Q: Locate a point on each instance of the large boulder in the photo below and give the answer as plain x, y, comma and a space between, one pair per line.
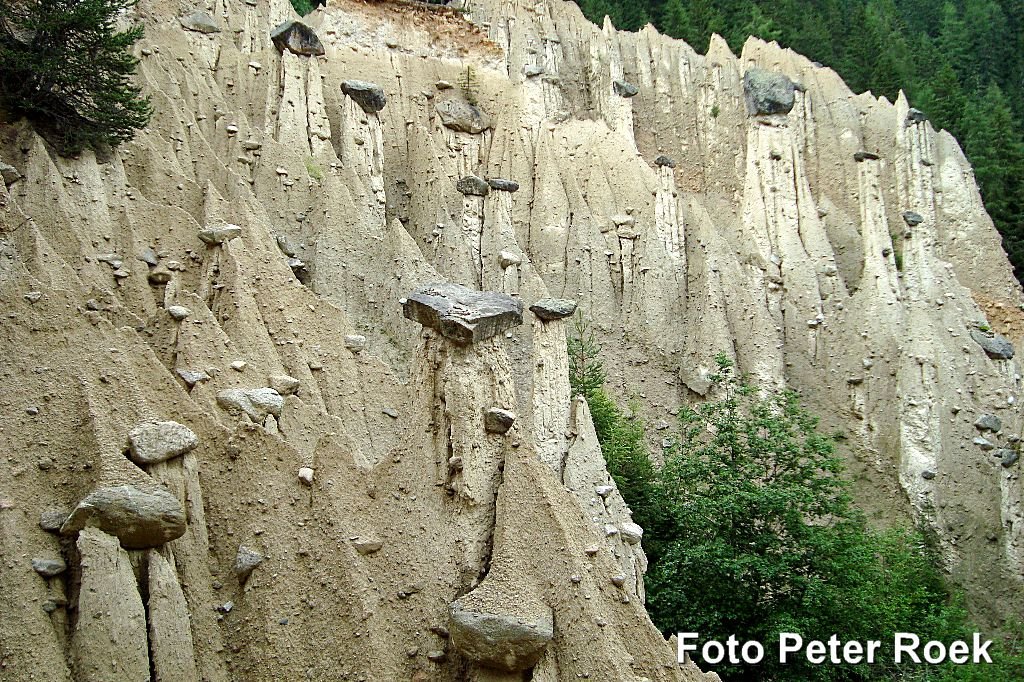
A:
369, 96
504, 641
256, 403
154, 442
549, 309
768, 92
297, 38
461, 314
200, 22
461, 116
995, 346
138, 518
625, 89
473, 185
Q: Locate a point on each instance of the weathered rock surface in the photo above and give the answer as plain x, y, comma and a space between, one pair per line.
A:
215, 236
109, 640
246, 561
297, 38
462, 116
48, 568
369, 96
138, 518
996, 346
463, 315
283, 384
768, 92
498, 420
503, 185
473, 185
200, 22
504, 641
255, 403
625, 89
9, 174
159, 441
549, 309
988, 422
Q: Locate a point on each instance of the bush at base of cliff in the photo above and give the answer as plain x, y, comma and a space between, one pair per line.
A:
66, 67
750, 531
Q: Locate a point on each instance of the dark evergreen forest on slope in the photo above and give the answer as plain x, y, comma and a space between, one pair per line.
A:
961, 62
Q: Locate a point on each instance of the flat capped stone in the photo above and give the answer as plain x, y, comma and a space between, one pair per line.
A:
215, 236
461, 116
369, 96
472, 185
461, 314
912, 219
988, 422
916, 116
549, 309
138, 518
503, 185
498, 420
159, 441
256, 403
665, 161
297, 38
768, 92
48, 568
200, 22
625, 89
865, 156
507, 642
9, 174
996, 346
246, 561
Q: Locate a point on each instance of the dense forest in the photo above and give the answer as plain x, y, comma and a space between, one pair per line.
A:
961, 62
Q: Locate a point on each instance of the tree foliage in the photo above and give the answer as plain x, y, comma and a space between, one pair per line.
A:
66, 67
750, 531
946, 57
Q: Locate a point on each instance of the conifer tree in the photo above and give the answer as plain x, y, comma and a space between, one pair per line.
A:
65, 66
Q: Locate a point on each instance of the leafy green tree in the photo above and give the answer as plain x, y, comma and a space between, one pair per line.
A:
66, 67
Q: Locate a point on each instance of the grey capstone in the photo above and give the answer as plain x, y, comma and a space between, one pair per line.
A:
461, 314
916, 116
865, 156
461, 116
297, 38
214, 236
995, 346
912, 219
665, 161
256, 403
549, 309
138, 518
246, 560
369, 96
625, 89
49, 568
200, 22
988, 422
1009, 457
9, 174
503, 185
768, 92
472, 185
154, 442
508, 643
498, 420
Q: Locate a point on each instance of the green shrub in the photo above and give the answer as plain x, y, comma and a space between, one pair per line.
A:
750, 531
302, 7
65, 67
